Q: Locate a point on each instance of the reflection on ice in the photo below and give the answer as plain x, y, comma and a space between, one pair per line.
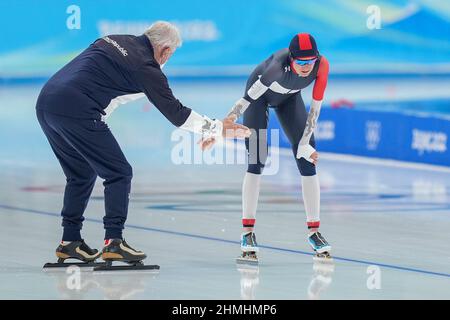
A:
116, 285
321, 279
249, 280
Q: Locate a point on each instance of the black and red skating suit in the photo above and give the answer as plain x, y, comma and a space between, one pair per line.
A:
275, 83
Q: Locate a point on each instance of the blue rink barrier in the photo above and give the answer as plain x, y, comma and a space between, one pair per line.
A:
386, 135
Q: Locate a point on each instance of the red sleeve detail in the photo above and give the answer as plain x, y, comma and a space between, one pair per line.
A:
321, 80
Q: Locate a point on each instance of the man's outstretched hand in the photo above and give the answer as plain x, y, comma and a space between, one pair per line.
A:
230, 130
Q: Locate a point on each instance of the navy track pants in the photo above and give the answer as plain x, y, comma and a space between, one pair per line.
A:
86, 149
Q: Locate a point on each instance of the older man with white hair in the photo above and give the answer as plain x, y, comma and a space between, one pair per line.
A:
71, 110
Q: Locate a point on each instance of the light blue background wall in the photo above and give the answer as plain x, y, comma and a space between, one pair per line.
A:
228, 37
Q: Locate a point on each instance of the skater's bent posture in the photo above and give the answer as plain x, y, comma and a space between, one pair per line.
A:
71, 110
277, 82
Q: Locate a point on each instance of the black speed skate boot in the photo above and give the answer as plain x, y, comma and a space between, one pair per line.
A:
119, 250
77, 250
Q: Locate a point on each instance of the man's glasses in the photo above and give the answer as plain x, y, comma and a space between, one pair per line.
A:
305, 62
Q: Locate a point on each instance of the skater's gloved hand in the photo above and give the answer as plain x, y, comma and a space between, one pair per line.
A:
231, 117
230, 130
307, 152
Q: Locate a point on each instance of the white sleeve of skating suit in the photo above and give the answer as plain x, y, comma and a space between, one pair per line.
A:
208, 128
305, 150
250, 195
311, 197
257, 90
239, 108
254, 93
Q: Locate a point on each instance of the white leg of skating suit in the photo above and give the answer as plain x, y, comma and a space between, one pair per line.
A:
311, 197
250, 195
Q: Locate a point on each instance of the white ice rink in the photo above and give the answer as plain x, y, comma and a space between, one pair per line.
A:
389, 226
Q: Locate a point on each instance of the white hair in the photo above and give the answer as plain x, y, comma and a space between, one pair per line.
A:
164, 34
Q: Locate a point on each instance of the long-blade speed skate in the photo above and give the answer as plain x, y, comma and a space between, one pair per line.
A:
117, 250
321, 247
249, 258
323, 257
249, 249
75, 250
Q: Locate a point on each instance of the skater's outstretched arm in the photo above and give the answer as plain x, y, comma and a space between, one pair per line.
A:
265, 82
256, 91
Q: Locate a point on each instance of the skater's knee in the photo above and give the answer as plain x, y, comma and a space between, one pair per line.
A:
256, 162
255, 168
123, 173
82, 179
306, 168
127, 172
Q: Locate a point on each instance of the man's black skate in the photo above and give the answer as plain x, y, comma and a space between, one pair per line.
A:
77, 250
119, 250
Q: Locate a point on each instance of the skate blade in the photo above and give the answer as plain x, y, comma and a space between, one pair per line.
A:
136, 267
78, 264
247, 261
323, 258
